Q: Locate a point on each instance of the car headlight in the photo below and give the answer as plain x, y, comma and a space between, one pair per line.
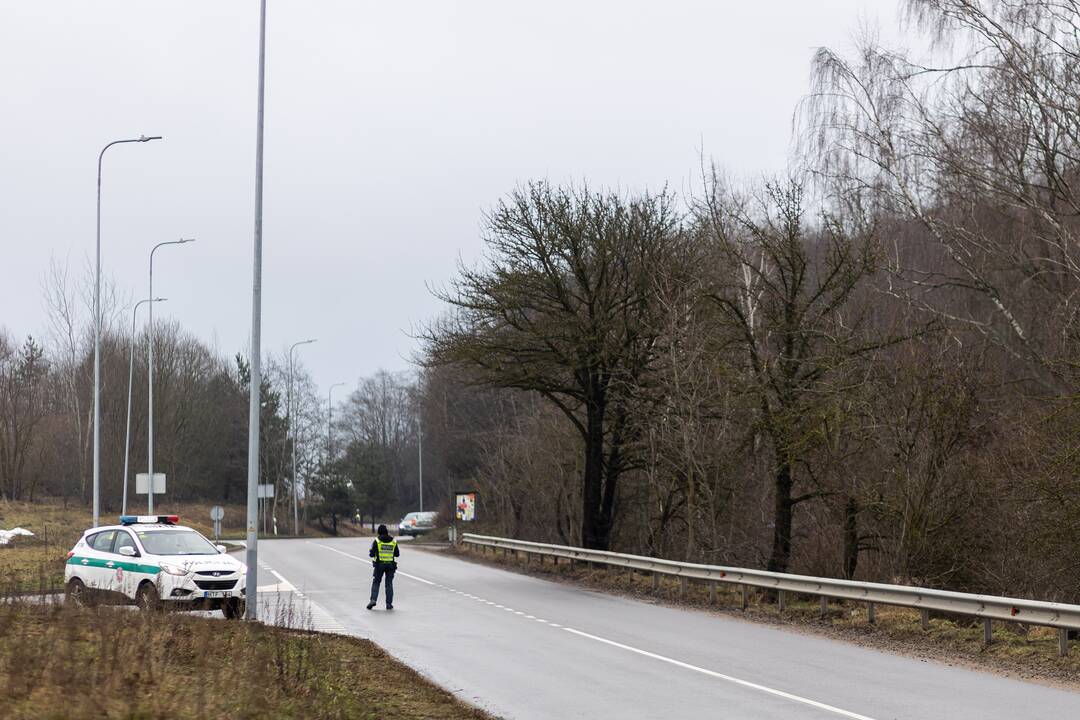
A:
174, 569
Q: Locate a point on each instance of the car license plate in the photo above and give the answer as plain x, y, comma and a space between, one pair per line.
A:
214, 593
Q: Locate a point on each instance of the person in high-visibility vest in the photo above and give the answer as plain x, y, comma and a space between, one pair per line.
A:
384, 551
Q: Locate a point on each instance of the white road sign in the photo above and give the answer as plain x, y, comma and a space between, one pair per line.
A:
142, 482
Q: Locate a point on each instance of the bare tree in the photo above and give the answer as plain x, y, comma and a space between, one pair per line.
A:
782, 288
23, 374
978, 145
565, 307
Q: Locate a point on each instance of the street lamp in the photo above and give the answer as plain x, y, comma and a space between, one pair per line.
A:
150, 380
420, 438
97, 330
255, 379
295, 495
131, 372
330, 424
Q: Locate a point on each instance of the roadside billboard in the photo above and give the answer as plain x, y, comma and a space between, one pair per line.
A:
465, 505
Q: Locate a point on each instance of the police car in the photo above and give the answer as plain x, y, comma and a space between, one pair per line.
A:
154, 562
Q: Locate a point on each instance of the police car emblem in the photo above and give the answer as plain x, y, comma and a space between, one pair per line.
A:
119, 574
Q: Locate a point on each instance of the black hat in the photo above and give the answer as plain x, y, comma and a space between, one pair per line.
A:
383, 530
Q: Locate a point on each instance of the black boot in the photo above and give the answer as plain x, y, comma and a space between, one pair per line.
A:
370, 605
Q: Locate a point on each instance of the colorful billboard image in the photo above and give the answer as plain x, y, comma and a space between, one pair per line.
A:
465, 506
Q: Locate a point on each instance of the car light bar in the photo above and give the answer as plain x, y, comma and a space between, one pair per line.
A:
165, 519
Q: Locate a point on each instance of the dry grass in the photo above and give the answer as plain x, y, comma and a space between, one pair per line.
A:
37, 563
1022, 651
81, 663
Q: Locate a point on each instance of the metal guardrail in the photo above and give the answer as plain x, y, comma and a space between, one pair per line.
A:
1062, 616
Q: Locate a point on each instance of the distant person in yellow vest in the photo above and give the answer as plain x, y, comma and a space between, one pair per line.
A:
384, 550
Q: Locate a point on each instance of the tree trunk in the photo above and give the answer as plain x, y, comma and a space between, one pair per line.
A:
851, 537
783, 510
594, 530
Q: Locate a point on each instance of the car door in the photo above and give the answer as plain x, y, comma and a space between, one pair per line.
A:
126, 572
96, 555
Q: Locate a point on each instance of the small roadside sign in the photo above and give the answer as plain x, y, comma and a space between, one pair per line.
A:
266, 491
216, 514
142, 482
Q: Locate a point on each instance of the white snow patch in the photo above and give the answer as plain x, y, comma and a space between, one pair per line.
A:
7, 535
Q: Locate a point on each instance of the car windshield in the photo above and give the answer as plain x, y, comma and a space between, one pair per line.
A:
176, 542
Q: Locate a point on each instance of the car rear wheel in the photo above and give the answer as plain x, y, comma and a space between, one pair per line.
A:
76, 593
147, 598
232, 609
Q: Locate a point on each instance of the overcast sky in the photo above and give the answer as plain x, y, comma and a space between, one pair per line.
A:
390, 128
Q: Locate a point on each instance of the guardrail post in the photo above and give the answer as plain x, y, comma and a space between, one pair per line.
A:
781, 600
988, 633
655, 581
745, 597
824, 605
924, 619
684, 585
1063, 642
871, 613
712, 592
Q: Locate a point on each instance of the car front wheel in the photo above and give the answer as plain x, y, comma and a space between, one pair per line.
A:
233, 609
147, 598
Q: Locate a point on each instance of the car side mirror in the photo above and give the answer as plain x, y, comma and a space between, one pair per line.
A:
221, 548
127, 551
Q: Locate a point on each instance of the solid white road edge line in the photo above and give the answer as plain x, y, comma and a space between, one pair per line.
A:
721, 676
327, 621
357, 557
285, 585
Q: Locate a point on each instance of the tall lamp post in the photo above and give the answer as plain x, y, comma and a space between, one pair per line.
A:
292, 429
150, 380
420, 455
255, 389
97, 330
251, 578
131, 374
330, 424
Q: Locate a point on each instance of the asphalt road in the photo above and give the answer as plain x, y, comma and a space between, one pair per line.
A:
524, 648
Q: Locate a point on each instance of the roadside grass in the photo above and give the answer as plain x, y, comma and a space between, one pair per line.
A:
75, 663
36, 563
1025, 651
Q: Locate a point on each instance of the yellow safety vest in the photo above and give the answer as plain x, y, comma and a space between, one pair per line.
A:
386, 551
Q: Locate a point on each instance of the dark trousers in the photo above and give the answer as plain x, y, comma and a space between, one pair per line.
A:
382, 569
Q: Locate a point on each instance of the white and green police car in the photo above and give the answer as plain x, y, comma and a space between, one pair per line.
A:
154, 562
